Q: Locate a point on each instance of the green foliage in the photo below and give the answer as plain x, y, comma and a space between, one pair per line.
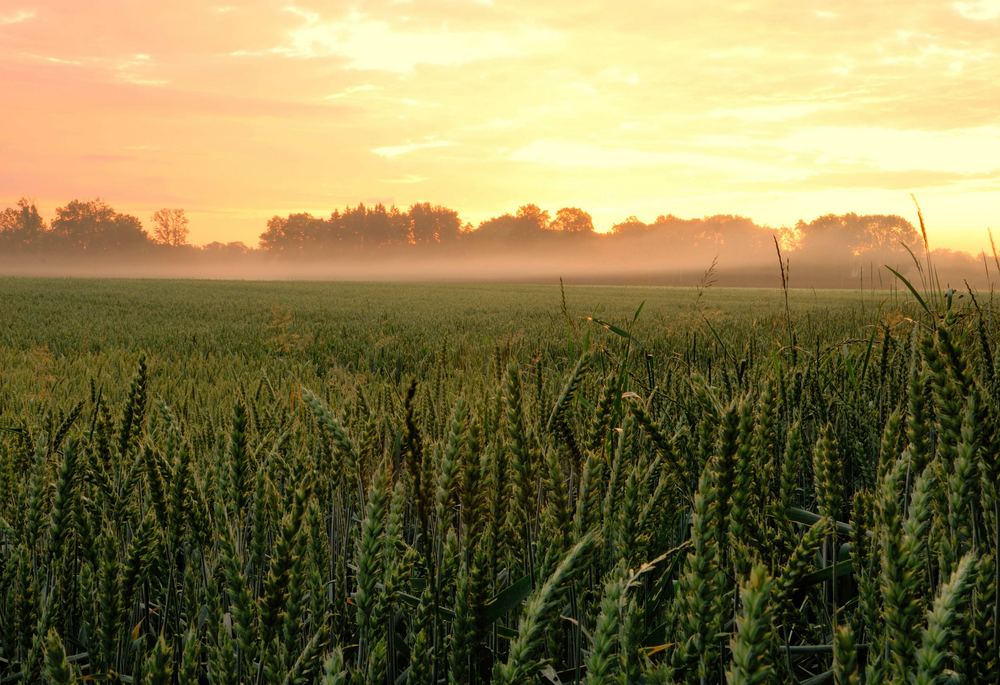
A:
436, 485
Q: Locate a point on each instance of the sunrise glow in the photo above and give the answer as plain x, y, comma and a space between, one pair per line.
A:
240, 111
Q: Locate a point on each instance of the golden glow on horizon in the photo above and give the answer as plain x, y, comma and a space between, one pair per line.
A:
241, 110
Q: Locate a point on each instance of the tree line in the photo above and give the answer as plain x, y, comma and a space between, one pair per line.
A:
834, 242
831, 237
88, 226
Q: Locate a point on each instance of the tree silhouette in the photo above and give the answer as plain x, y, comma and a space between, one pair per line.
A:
170, 227
834, 237
530, 223
95, 226
235, 248
21, 226
573, 220
630, 226
292, 233
834, 249
533, 214
362, 228
432, 224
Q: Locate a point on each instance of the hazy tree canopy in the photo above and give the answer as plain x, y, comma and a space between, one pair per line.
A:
700, 239
432, 224
362, 227
631, 226
534, 215
529, 224
232, 248
293, 233
21, 226
573, 220
95, 226
839, 236
506, 228
831, 249
380, 227
170, 227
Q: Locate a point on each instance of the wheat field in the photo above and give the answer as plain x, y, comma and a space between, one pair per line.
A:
231, 483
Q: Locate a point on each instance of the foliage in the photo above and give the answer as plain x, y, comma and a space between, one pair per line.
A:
170, 227
455, 485
96, 226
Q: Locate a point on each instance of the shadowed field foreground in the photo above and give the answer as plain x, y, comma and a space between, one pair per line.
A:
343, 483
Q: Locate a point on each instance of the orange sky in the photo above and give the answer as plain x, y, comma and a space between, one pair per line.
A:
772, 109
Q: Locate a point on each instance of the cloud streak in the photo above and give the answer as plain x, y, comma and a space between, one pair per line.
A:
393, 151
978, 10
16, 17
373, 44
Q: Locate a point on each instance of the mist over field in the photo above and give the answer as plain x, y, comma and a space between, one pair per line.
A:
432, 243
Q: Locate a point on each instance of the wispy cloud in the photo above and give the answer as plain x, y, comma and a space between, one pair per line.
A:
955, 151
570, 154
368, 43
52, 59
354, 90
978, 10
135, 70
620, 75
765, 113
16, 17
409, 179
375, 97
393, 151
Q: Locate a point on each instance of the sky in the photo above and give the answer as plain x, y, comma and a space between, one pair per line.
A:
770, 109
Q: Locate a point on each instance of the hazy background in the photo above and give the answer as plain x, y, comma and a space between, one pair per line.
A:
433, 243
